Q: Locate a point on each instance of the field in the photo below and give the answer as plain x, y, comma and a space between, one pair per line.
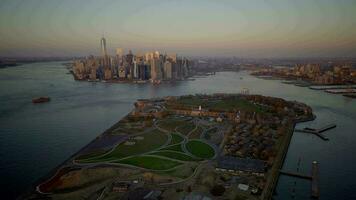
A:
176, 147
200, 149
196, 133
221, 105
150, 162
176, 138
152, 140
174, 155
171, 124
186, 128
153, 151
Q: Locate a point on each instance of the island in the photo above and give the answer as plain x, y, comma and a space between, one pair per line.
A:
219, 146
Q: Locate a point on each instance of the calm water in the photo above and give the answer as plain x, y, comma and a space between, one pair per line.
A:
36, 138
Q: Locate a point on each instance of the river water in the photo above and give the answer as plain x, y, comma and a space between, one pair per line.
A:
36, 138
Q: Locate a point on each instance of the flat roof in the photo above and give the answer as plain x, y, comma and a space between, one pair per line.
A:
241, 164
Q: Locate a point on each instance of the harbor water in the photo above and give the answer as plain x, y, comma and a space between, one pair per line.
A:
35, 138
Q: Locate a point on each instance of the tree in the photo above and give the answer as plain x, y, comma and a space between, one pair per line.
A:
217, 190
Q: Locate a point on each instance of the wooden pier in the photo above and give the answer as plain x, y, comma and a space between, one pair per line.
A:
317, 132
315, 180
294, 174
325, 128
314, 177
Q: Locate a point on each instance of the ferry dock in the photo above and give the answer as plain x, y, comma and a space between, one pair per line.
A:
314, 178
317, 132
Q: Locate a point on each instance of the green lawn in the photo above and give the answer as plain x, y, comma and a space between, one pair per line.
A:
186, 128
91, 154
170, 124
152, 140
183, 171
174, 155
200, 149
196, 134
176, 138
191, 101
176, 147
236, 103
224, 105
150, 162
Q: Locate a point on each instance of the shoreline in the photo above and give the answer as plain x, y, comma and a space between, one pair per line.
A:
339, 89
33, 187
282, 154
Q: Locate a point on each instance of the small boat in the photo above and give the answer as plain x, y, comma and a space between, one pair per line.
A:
41, 100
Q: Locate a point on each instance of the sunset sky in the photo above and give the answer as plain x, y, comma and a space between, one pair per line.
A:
243, 28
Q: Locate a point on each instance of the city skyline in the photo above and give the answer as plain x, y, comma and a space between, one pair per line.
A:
199, 28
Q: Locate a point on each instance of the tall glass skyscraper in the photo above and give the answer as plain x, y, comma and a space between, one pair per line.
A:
103, 47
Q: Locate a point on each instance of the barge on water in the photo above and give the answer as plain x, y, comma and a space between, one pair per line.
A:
41, 100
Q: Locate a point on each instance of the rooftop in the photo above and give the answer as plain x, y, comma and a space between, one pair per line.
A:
241, 164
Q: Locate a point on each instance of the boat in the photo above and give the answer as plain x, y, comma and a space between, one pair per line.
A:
41, 100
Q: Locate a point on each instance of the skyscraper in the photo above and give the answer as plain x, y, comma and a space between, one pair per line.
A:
167, 70
119, 52
103, 47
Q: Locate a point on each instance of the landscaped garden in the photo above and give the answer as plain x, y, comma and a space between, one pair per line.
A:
148, 142
153, 151
200, 149
174, 155
150, 162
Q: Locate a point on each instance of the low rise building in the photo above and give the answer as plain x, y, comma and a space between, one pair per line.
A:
241, 165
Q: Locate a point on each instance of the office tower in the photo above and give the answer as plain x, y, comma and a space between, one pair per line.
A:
160, 70
153, 63
103, 47
172, 57
106, 60
130, 67
107, 74
122, 72
185, 69
167, 70
156, 54
119, 52
129, 58
135, 69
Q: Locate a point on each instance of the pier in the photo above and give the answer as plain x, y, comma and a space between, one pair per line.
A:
314, 177
317, 132
331, 87
295, 174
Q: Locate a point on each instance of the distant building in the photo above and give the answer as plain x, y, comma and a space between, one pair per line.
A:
138, 68
104, 52
119, 52
167, 70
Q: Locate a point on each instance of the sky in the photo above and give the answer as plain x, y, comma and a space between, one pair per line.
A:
241, 28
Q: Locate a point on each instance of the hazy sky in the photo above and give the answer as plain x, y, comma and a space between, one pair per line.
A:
243, 28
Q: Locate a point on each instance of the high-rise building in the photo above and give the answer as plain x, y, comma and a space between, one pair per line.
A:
167, 70
119, 52
172, 57
106, 60
156, 54
153, 63
104, 52
135, 69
